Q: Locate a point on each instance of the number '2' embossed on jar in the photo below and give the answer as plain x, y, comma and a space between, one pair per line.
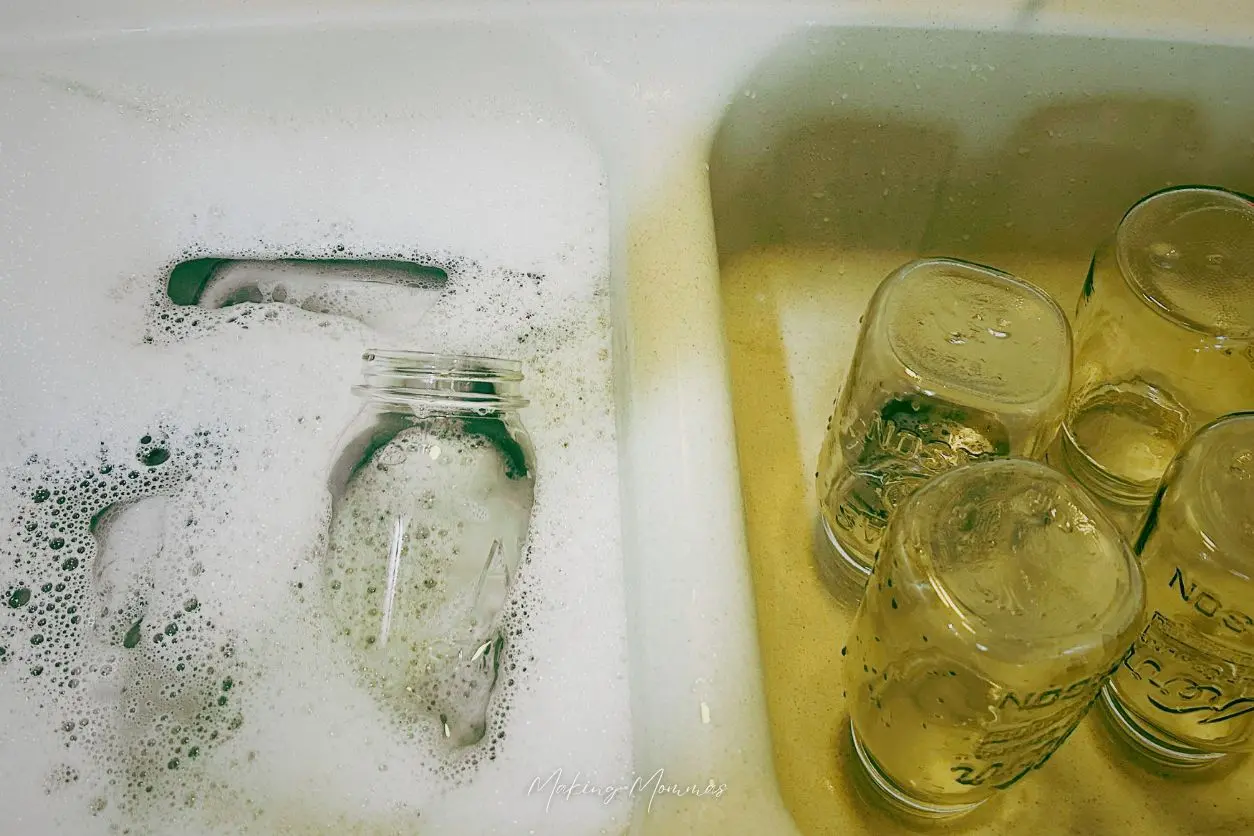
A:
431, 492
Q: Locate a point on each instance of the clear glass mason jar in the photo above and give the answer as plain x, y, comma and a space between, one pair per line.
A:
1164, 339
955, 362
1184, 696
1001, 600
431, 492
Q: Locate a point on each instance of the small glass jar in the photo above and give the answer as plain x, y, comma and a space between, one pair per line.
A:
431, 493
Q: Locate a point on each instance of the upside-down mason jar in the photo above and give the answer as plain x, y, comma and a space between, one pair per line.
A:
1001, 600
431, 493
1164, 339
1184, 696
956, 362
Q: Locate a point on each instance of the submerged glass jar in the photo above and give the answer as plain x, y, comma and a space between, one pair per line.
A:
431, 493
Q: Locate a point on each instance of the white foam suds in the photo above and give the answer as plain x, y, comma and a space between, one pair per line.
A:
187, 679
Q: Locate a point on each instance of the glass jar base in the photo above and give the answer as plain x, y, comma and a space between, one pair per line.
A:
896, 797
861, 567
1150, 744
1099, 480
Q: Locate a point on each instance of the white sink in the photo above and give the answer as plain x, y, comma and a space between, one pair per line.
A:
610, 145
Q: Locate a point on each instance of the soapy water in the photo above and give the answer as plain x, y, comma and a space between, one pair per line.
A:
95, 356
166, 649
425, 536
106, 628
168, 665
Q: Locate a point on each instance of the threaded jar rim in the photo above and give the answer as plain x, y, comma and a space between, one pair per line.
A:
441, 381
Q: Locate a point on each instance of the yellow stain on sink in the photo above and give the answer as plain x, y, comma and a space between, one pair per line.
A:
791, 319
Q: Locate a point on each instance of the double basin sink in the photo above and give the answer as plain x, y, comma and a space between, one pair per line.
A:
753, 170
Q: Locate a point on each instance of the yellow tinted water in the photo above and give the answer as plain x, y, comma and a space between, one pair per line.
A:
791, 319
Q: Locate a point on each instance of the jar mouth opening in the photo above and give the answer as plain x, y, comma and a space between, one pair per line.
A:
438, 381
468, 366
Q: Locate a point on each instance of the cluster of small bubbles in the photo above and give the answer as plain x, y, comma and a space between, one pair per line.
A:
73, 634
430, 689
511, 653
61, 776
139, 677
